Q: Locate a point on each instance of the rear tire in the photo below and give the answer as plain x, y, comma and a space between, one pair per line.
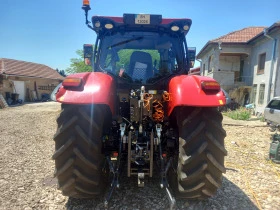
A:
201, 153
78, 157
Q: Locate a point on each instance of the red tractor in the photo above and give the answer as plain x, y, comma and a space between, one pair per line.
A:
139, 111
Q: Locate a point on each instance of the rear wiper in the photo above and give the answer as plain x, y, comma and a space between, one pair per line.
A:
126, 41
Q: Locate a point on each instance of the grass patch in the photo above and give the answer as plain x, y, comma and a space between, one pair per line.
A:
239, 114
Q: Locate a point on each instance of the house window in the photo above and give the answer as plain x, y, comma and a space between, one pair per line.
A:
210, 64
261, 94
261, 63
254, 94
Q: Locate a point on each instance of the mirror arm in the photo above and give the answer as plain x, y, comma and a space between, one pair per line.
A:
86, 15
86, 8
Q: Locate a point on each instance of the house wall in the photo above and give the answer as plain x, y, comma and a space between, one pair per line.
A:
230, 63
277, 70
277, 82
233, 63
235, 48
42, 86
247, 76
224, 66
249, 53
225, 78
214, 65
264, 46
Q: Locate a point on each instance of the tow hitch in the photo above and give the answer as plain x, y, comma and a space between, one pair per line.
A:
133, 156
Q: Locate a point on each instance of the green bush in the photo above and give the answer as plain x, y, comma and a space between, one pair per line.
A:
261, 118
239, 114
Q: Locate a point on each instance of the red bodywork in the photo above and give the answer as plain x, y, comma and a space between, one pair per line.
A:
97, 88
100, 88
186, 90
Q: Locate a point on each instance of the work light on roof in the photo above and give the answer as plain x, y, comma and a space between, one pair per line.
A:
186, 27
175, 28
97, 24
109, 26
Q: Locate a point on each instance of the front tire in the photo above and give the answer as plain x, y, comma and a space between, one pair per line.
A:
78, 157
201, 153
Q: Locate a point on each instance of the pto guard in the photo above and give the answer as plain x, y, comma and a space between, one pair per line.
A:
96, 88
186, 90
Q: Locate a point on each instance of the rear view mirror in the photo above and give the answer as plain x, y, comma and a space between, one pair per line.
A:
191, 54
88, 54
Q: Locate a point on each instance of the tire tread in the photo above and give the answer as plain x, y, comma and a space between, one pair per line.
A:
78, 157
201, 153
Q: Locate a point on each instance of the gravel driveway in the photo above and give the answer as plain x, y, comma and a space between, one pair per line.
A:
26, 168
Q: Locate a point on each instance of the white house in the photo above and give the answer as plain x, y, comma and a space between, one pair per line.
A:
246, 63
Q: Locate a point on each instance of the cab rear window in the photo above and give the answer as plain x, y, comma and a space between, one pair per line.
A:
274, 104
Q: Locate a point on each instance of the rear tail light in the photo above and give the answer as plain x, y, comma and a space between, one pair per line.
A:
72, 82
210, 85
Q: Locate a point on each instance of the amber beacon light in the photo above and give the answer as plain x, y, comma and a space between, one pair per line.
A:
86, 5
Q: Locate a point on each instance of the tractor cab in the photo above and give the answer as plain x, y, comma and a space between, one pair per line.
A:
140, 49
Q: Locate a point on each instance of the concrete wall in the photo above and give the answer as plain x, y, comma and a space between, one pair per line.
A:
237, 49
221, 70
225, 78
214, 65
230, 63
277, 83
247, 76
222, 65
276, 79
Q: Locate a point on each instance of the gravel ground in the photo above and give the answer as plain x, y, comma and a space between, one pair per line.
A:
26, 168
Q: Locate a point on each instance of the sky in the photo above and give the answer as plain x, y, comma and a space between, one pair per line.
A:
51, 31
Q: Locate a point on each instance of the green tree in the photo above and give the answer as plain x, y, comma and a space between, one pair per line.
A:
77, 64
124, 56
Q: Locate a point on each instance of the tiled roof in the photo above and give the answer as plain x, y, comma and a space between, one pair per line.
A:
240, 36
28, 69
268, 30
243, 36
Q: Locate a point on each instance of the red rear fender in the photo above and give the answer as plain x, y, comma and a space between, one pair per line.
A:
186, 90
95, 88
